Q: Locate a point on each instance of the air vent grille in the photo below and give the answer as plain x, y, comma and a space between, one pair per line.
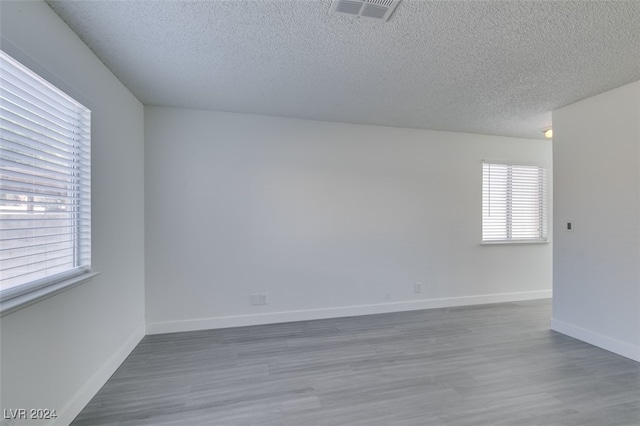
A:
386, 3
349, 6
373, 11
379, 10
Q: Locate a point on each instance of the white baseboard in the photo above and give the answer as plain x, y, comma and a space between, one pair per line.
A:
345, 311
619, 347
88, 391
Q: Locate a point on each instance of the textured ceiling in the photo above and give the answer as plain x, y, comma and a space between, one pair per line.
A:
489, 67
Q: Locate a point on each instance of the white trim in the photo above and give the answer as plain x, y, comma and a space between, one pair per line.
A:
610, 344
345, 311
19, 290
18, 302
507, 242
513, 163
93, 385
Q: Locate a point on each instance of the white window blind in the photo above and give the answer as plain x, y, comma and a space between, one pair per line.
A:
45, 198
514, 203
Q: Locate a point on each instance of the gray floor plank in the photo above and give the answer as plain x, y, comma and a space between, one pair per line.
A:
493, 364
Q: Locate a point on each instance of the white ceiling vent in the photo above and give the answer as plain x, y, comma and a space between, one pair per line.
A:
379, 10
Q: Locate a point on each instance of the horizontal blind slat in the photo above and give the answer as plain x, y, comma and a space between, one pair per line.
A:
38, 244
48, 258
28, 81
8, 123
15, 161
12, 133
16, 96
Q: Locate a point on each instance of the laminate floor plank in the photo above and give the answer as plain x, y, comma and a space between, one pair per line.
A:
494, 365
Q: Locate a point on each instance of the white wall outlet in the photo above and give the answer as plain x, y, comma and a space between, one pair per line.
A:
255, 299
264, 298
569, 227
417, 287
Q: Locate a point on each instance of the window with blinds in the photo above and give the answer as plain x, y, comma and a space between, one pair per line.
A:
514, 203
45, 198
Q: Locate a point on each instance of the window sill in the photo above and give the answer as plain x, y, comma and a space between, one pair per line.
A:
16, 303
516, 242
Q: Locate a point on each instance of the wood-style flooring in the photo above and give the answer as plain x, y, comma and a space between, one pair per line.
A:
481, 365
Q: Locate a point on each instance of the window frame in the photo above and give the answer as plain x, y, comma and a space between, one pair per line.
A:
25, 294
543, 197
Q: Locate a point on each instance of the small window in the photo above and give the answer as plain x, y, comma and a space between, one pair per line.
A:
45, 197
514, 203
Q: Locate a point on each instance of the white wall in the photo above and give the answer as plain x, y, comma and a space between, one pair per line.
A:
57, 353
329, 219
596, 280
